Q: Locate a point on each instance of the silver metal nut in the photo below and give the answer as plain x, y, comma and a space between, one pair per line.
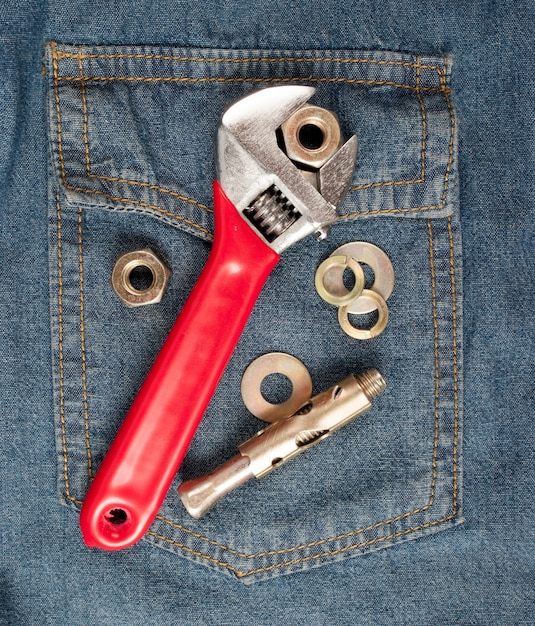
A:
122, 274
311, 135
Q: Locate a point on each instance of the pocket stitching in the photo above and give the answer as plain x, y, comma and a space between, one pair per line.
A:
343, 549
238, 572
442, 204
423, 147
82, 347
61, 54
90, 174
59, 260
98, 192
417, 88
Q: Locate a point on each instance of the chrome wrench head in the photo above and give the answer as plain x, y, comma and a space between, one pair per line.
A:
254, 171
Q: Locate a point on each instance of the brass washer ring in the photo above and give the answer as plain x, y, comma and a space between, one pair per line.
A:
339, 295
275, 363
377, 259
365, 333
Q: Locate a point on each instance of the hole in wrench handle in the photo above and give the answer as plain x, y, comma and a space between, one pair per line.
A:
148, 449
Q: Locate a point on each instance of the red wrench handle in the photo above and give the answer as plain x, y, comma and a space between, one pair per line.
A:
146, 453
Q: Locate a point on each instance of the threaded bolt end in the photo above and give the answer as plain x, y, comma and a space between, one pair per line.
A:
372, 383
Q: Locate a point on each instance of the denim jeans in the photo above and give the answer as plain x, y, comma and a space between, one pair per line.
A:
420, 510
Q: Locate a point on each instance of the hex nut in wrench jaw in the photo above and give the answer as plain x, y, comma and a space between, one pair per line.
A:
311, 136
250, 161
122, 273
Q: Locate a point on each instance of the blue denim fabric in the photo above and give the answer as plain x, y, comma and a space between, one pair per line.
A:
111, 150
122, 132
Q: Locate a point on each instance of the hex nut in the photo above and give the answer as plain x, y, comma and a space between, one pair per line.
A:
122, 272
311, 136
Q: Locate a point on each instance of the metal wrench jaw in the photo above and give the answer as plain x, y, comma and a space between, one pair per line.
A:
258, 177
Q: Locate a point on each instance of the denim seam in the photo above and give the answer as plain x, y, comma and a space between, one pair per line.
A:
250, 79
85, 118
436, 345
102, 193
455, 361
417, 88
59, 260
421, 179
446, 177
82, 346
241, 573
115, 179
166, 57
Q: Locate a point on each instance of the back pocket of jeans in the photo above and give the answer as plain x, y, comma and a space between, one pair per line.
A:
132, 132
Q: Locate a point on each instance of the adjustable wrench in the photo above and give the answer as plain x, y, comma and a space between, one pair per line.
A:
262, 204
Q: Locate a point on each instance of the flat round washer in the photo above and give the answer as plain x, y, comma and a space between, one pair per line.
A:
365, 333
363, 252
275, 363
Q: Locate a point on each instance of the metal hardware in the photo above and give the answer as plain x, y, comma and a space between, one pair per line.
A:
369, 297
275, 363
272, 213
336, 294
311, 136
149, 447
121, 278
284, 439
330, 286
368, 253
250, 162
